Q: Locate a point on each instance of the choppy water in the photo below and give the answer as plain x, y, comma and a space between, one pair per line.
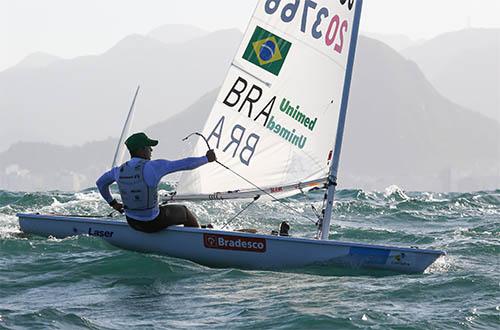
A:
85, 283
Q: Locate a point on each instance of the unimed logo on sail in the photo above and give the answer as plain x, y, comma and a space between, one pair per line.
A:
227, 242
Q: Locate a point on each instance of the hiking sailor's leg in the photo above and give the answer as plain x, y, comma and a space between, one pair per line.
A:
175, 214
191, 220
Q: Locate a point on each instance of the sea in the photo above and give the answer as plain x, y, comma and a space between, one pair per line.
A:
85, 283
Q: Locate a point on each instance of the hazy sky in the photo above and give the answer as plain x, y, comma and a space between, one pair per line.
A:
69, 28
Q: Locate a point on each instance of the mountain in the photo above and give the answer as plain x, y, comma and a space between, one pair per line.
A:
36, 60
399, 130
170, 132
464, 66
29, 166
397, 42
176, 33
34, 166
83, 99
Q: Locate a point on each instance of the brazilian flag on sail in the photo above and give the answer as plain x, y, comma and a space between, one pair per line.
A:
267, 50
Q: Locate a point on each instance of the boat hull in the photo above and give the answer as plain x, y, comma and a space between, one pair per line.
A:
234, 249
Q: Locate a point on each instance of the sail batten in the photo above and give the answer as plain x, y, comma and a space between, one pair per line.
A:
268, 84
275, 116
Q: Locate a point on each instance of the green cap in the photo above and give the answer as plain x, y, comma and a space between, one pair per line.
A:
139, 140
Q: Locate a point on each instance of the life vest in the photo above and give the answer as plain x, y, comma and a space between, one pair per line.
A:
136, 194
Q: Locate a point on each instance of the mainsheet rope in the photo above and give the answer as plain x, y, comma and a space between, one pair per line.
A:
253, 184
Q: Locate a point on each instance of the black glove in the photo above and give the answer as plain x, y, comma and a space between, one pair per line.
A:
211, 156
117, 206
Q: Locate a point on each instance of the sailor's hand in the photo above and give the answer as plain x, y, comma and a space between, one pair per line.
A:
211, 156
116, 205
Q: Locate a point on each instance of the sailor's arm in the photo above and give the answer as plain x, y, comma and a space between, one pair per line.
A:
103, 184
163, 167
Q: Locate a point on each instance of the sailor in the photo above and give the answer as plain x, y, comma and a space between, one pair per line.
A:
138, 185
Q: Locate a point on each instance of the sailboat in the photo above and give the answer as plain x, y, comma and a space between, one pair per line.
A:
279, 111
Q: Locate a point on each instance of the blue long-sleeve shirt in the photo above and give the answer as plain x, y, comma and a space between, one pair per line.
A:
154, 170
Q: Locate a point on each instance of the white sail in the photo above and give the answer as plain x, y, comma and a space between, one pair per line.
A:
275, 118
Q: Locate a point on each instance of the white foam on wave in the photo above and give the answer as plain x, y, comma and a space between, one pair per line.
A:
442, 265
88, 201
394, 190
88, 196
366, 194
433, 197
8, 226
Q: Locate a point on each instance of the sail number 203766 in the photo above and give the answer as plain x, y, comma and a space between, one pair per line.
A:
337, 27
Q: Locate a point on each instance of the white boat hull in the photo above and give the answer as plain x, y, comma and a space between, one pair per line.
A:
234, 249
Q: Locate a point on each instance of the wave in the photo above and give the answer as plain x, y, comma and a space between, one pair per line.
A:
83, 282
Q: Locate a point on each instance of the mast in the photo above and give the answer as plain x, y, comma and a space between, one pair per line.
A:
119, 150
332, 178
